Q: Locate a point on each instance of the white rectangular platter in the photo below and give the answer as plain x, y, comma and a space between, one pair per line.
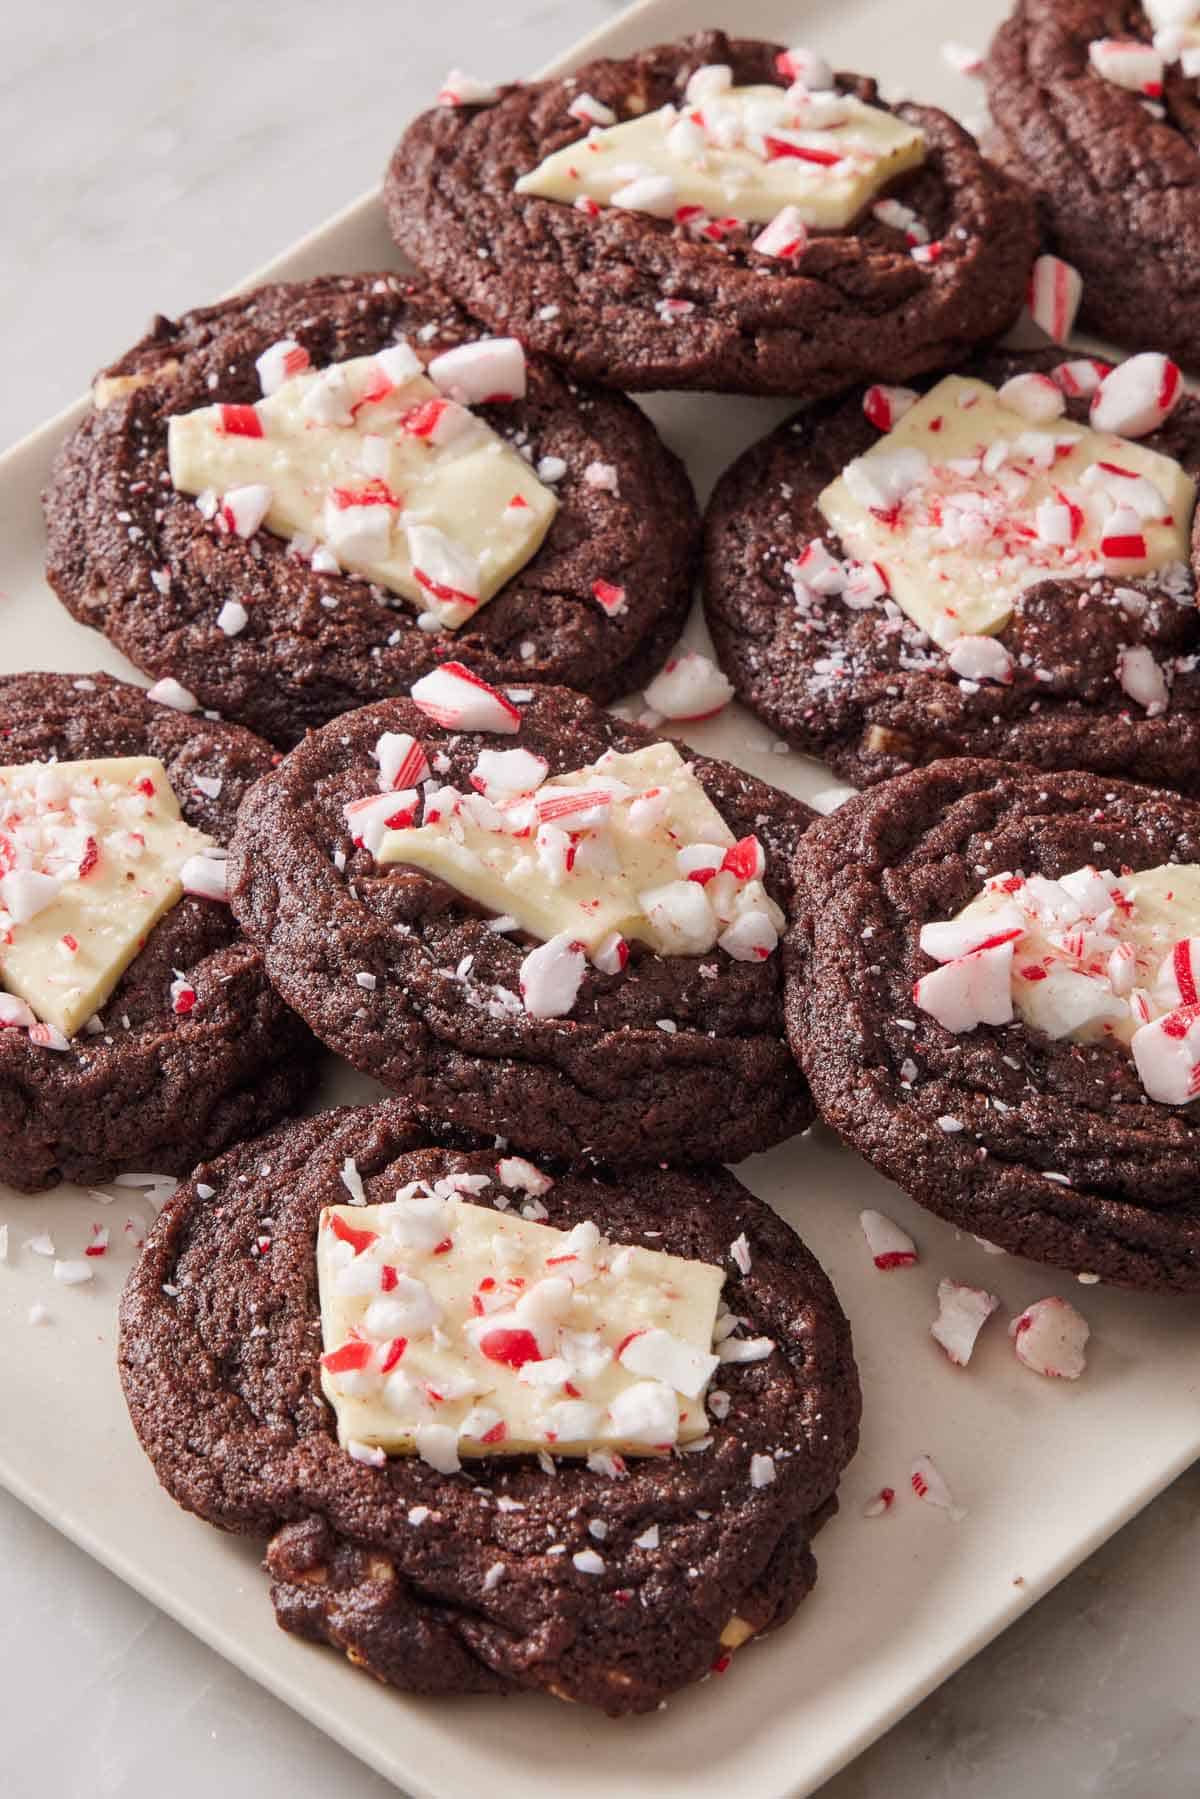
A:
1045, 1471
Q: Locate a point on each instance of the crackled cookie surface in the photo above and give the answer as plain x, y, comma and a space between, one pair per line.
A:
568, 1575
997, 562
276, 504
715, 213
1096, 105
140, 1031
493, 905
991, 989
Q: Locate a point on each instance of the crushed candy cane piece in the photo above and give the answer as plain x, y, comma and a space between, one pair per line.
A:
458, 700
928, 1484
962, 1313
1137, 396
890, 1247
1055, 290
690, 687
1050, 1337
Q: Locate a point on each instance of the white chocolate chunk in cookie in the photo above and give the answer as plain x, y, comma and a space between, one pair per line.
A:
400, 482
454, 1331
967, 501
743, 153
1091, 957
628, 847
93, 855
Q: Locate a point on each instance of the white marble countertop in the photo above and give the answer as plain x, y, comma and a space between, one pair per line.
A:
154, 154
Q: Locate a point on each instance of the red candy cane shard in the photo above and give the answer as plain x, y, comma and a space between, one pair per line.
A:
458, 700
239, 421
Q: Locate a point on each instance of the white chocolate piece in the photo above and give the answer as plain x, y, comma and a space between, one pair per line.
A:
347, 470
586, 873
961, 505
99, 847
516, 1337
750, 152
1087, 966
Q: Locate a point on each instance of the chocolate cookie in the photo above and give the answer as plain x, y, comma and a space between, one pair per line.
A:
667, 1058
1111, 158
690, 301
144, 564
1049, 1147
482, 1580
844, 675
194, 1050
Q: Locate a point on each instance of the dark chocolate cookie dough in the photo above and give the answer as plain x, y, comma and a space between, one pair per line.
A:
1117, 186
872, 696
155, 1089
139, 562
426, 1019
1049, 1149
219, 1351
640, 302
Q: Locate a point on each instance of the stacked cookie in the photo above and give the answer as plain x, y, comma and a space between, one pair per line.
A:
524, 1391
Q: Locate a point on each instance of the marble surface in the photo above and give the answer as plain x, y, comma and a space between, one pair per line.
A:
154, 155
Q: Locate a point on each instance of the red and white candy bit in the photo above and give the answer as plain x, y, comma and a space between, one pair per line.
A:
1143, 680
443, 569
962, 59
1138, 395
883, 1502
523, 1176
962, 1313
98, 1242
750, 938
690, 687
1177, 982
928, 1484
488, 372
886, 406
1050, 1337
503, 774
369, 819
1128, 63
1166, 1053
591, 110
279, 362
609, 597
611, 954
183, 996
655, 195
1080, 379
972, 990
48, 1036
243, 509
746, 859
458, 700
980, 659
402, 761
1055, 290
205, 877
170, 692
890, 1247
459, 89
24, 892
551, 976
805, 67
785, 238
239, 421
14, 1013
1036, 397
